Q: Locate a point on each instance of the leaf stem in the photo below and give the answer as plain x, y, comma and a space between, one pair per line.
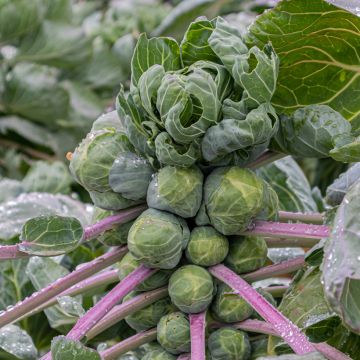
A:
197, 332
8, 252
102, 279
285, 267
312, 218
265, 158
119, 312
128, 344
60, 285
291, 231
287, 330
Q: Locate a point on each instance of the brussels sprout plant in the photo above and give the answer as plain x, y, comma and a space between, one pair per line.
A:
189, 193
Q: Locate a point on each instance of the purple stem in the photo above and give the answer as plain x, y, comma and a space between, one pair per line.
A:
277, 229
110, 221
97, 312
60, 285
262, 327
197, 332
128, 344
312, 218
100, 280
8, 252
119, 312
265, 158
282, 268
287, 330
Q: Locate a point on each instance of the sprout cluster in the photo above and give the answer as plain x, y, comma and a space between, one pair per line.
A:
178, 142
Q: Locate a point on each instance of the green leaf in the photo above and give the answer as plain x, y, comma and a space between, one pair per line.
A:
293, 189
14, 213
59, 10
195, 46
50, 235
15, 341
19, 17
48, 177
341, 270
232, 135
130, 176
66, 349
313, 131
43, 271
338, 189
10, 189
347, 153
318, 46
148, 52
33, 91
56, 44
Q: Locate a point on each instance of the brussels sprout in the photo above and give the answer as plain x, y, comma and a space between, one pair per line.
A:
157, 239
191, 288
158, 354
93, 158
233, 198
128, 264
149, 316
110, 200
229, 344
177, 190
110, 121
268, 297
173, 333
246, 253
115, 236
130, 176
206, 246
271, 204
230, 307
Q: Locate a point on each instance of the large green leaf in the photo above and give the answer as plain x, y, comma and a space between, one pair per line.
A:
293, 189
66, 349
55, 44
341, 270
14, 213
319, 48
51, 235
42, 272
48, 177
18, 17
16, 343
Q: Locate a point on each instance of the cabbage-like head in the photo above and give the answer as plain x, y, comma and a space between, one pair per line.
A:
149, 316
158, 354
206, 246
128, 264
157, 239
191, 289
246, 253
173, 333
177, 190
233, 198
93, 158
230, 344
110, 200
229, 307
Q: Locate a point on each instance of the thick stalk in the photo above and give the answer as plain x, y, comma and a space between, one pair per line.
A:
265, 158
9, 252
119, 312
197, 332
286, 230
100, 280
262, 327
97, 312
311, 218
285, 267
60, 285
273, 242
130, 343
287, 330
